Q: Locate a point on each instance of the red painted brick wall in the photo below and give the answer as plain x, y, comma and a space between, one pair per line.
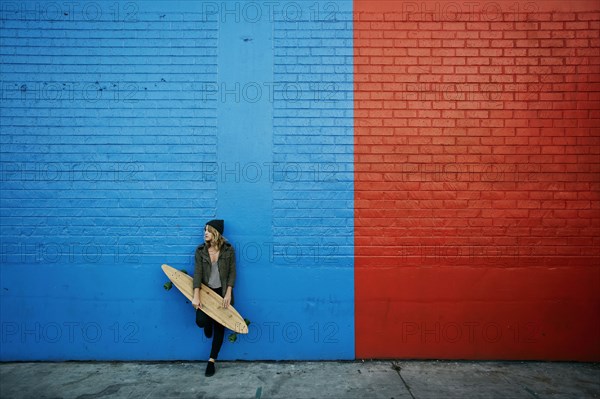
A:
477, 185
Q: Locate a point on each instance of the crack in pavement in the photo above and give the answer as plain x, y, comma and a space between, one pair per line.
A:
396, 367
81, 379
525, 387
109, 390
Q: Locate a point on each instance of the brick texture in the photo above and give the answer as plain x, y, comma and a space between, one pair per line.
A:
477, 192
126, 126
313, 141
106, 131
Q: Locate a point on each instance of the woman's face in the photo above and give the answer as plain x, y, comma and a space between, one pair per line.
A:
208, 236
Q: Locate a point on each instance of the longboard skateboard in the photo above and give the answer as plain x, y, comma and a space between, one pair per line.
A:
212, 303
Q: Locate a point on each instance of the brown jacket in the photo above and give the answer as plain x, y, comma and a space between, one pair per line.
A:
226, 267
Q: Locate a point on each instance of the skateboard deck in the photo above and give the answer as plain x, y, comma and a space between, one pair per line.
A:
212, 303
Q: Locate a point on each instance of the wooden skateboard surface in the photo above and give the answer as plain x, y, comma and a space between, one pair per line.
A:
212, 303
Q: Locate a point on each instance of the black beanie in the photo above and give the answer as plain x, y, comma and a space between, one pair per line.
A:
218, 224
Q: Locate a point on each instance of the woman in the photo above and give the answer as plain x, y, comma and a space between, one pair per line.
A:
215, 267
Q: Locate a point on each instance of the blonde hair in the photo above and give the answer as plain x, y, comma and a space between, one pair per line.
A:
218, 239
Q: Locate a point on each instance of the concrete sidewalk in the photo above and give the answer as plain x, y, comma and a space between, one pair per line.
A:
295, 380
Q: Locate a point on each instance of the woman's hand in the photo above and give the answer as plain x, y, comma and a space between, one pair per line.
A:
227, 299
196, 303
196, 299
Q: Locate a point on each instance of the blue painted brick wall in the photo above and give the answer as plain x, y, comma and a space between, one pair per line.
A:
103, 149
313, 203
114, 123
313, 138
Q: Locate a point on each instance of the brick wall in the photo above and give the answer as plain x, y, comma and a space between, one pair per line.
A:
477, 179
105, 134
312, 190
101, 121
313, 138
400, 179
126, 126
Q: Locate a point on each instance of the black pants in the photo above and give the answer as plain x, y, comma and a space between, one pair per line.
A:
203, 320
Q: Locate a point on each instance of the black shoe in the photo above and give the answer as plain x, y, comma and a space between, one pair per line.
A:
210, 369
208, 330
